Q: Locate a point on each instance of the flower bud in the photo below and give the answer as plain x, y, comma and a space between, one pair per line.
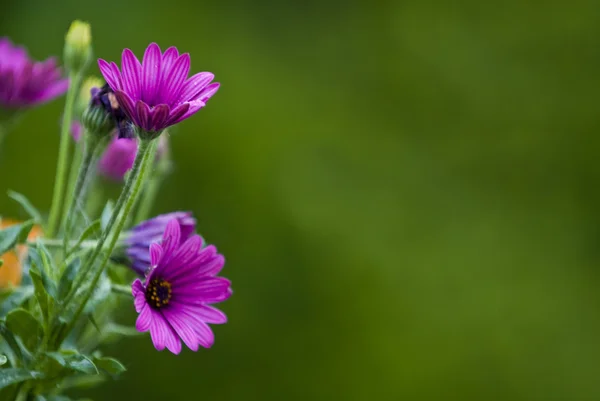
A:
78, 47
85, 94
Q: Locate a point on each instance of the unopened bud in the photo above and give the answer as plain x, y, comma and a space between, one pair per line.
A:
85, 94
78, 46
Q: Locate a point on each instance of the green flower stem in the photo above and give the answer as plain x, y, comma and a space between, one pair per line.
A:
120, 214
121, 289
151, 191
63, 153
77, 194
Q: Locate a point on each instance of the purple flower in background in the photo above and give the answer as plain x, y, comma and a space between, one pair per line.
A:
76, 130
118, 158
157, 93
24, 82
173, 303
140, 237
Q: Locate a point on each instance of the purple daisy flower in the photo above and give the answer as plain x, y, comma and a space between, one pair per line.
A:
173, 303
24, 82
140, 237
118, 158
157, 93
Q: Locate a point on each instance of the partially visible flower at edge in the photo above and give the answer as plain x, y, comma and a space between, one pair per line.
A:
140, 237
157, 93
173, 302
11, 271
24, 82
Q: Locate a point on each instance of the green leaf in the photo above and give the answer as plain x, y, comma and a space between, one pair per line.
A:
106, 213
40, 291
1, 262
74, 361
17, 375
99, 295
109, 365
66, 281
93, 228
42, 263
13, 235
3, 359
14, 297
28, 206
10, 339
22, 324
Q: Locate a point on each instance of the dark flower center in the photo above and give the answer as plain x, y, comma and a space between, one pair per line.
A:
158, 293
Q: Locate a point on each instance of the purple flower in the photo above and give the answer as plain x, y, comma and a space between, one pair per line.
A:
25, 83
118, 158
173, 303
157, 93
140, 237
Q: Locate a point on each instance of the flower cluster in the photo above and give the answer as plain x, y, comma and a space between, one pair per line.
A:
64, 276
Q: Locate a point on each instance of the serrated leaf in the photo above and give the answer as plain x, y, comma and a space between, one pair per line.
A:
66, 281
93, 228
106, 213
3, 359
74, 361
109, 365
27, 205
13, 235
16, 375
22, 324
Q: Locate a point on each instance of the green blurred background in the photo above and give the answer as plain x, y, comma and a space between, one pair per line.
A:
405, 192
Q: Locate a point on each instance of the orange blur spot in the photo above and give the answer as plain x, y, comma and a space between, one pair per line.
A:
11, 272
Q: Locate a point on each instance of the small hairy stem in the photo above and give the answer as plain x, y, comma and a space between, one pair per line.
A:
119, 216
78, 196
63, 155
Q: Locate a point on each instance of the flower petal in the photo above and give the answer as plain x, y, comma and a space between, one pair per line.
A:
54, 90
142, 112
139, 301
204, 334
171, 237
151, 67
159, 117
208, 92
132, 73
127, 105
170, 242
168, 60
145, 319
194, 85
137, 287
185, 253
108, 74
177, 113
181, 327
156, 252
159, 330
195, 106
205, 313
171, 85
